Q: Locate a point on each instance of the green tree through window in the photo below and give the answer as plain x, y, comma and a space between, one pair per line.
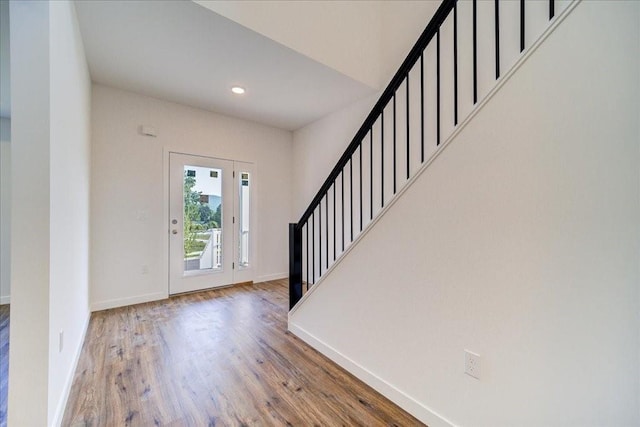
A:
198, 217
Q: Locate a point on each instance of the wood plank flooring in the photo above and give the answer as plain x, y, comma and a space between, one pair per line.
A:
4, 362
215, 358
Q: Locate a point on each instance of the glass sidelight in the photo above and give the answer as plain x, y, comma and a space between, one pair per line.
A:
244, 200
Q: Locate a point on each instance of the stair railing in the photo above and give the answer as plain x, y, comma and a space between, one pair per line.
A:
312, 247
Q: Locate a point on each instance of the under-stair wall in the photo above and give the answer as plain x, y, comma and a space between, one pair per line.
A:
519, 242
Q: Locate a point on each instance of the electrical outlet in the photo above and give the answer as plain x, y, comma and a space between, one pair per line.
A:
60, 341
472, 364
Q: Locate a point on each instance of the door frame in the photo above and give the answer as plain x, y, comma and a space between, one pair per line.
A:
166, 230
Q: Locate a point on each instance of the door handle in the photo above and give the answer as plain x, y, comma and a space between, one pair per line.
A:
174, 231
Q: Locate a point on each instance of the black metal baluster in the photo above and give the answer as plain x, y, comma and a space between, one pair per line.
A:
438, 87
394, 143
407, 125
552, 9
307, 231
371, 173
351, 195
326, 233
455, 63
422, 108
521, 25
382, 159
497, 24
342, 206
320, 239
334, 220
313, 248
475, 52
361, 208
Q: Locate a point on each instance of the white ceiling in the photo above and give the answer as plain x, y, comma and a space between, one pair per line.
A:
182, 52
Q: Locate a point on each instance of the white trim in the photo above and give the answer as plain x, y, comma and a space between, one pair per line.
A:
501, 82
165, 225
400, 398
275, 276
5, 300
121, 302
62, 404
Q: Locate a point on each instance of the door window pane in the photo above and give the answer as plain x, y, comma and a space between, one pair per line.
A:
243, 226
202, 218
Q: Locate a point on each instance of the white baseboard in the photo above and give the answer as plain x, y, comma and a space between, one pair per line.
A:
62, 404
403, 400
267, 277
5, 300
121, 302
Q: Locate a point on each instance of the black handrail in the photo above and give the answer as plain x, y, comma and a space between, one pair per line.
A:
413, 56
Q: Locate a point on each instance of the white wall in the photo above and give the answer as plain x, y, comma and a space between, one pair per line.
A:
402, 22
318, 146
69, 204
128, 228
50, 210
520, 243
29, 330
5, 210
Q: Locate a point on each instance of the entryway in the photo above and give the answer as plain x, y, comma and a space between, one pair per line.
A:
212, 237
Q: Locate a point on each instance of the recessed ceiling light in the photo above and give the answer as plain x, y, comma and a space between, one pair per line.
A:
237, 90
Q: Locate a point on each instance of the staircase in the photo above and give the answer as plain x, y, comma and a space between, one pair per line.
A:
456, 63
516, 238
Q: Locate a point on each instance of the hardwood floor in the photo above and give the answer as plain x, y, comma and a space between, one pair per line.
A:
4, 362
220, 357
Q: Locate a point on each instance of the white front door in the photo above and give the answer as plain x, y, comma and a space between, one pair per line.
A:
211, 239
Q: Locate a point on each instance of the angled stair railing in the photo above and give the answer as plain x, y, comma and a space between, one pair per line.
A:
358, 187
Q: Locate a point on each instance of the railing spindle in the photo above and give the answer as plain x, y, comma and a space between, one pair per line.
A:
382, 159
394, 143
438, 87
360, 170
351, 195
320, 238
342, 206
326, 211
371, 174
455, 63
313, 248
307, 231
408, 141
334, 220
422, 108
552, 10
521, 25
497, 25
475, 52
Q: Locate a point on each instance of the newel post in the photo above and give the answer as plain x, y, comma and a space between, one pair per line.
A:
295, 265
